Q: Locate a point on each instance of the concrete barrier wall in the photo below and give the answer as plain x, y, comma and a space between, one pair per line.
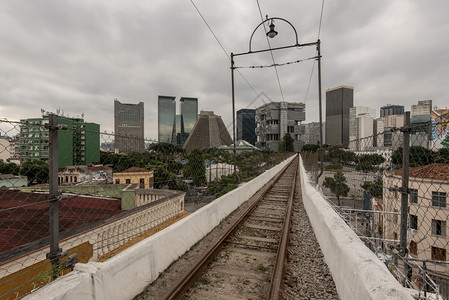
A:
356, 270
129, 272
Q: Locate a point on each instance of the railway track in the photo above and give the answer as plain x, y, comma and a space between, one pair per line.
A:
248, 261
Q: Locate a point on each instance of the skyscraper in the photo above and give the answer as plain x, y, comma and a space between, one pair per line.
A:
173, 128
246, 125
128, 127
391, 110
338, 102
189, 117
166, 119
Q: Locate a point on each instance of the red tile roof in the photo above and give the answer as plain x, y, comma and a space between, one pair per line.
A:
24, 217
134, 169
433, 171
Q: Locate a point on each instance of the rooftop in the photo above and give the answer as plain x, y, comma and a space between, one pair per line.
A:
432, 171
24, 217
134, 169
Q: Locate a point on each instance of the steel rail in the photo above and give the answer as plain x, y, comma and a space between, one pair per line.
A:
277, 282
182, 286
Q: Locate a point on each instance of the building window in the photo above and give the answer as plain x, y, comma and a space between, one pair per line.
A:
413, 196
439, 199
142, 183
413, 248
117, 181
128, 181
439, 227
438, 253
413, 222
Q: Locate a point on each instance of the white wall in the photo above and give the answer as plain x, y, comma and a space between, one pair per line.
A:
129, 272
357, 272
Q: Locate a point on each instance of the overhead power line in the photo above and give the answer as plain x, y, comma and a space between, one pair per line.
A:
271, 52
319, 32
278, 65
222, 47
321, 18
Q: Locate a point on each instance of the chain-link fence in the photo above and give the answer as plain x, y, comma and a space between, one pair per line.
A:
392, 189
69, 195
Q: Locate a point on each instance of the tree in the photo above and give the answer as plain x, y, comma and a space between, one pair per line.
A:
374, 187
442, 156
286, 144
310, 148
419, 156
166, 151
366, 162
162, 176
35, 170
8, 168
195, 169
337, 185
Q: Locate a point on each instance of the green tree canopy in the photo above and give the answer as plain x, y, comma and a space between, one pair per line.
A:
374, 187
337, 185
8, 168
35, 170
419, 156
338, 155
367, 162
310, 148
286, 144
162, 176
194, 169
217, 155
166, 151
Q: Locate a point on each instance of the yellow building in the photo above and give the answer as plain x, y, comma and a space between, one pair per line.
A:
140, 176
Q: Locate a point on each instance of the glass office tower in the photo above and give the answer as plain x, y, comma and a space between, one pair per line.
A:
189, 117
246, 125
166, 118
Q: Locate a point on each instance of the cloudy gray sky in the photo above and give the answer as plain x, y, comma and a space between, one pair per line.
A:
80, 55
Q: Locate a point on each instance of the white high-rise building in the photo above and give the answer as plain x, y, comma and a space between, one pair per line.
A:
361, 127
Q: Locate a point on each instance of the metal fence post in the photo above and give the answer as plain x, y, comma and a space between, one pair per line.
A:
405, 189
55, 251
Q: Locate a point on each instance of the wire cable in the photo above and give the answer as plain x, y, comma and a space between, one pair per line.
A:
278, 65
313, 66
310, 80
222, 47
321, 19
271, 52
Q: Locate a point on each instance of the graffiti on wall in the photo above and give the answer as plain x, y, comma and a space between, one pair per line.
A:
440, 127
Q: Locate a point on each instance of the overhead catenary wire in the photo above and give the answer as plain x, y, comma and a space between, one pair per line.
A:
310, 80
222, 47
278, 65
318, 37
321, 19
271, 52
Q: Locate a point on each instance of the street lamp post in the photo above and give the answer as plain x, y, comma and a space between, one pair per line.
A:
271, 34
